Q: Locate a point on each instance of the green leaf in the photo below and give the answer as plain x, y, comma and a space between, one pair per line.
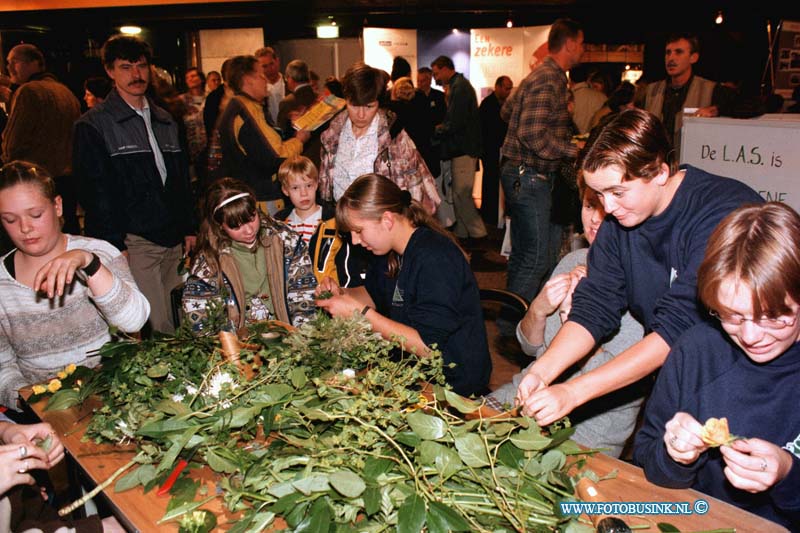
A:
184, 489
219, 463
312, 483
411, 515
261, 521
281, 490
161, 428
236, 418
347, 483
510, 455
372, 500
175, 450
298, 378
182, 509
553, 460
463, 405
444, 518
159, 370
472, 450
426, 426
374, 467
408, 438
444, 459
318, 521
530, 439
171, 407
503, 428
128, 481
63, 399
570, 447
665, 527
285, 503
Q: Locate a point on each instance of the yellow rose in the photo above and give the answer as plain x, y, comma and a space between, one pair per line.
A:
54, 385
70, 369
39, 389
62, 375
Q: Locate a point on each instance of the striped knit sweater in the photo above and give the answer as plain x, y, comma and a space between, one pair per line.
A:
39, 336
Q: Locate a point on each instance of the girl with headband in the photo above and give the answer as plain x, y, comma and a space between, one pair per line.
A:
419, 288
258, 266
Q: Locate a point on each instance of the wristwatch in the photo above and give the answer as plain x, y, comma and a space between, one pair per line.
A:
93, 266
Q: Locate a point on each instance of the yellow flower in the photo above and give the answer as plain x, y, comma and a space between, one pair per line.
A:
70, 369
39, 389
54, 385
62, 375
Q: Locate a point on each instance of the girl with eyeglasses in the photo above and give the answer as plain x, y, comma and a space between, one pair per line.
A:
744, 368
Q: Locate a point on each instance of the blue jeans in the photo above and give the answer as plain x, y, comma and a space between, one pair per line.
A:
528, 202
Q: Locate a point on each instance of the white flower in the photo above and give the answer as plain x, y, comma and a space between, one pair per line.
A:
191, 389
170, 377
349, 373
216, 383
177, 397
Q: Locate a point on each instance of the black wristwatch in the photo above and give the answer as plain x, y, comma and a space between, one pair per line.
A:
93, 266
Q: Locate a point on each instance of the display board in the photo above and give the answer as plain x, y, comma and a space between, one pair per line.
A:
382, 45
761, 152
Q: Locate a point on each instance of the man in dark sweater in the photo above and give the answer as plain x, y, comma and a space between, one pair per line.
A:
645, 259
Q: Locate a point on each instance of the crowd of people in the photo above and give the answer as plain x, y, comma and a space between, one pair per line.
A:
369, 214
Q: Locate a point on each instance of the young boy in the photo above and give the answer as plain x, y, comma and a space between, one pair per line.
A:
299, 180
332, 254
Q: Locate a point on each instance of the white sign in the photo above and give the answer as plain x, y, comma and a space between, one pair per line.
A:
511, 52
382, 45
495, 52
762, 152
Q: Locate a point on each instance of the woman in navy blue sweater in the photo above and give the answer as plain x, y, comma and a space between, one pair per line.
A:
745, 368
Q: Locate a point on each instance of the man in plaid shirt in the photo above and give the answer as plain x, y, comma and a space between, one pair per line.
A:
538, 139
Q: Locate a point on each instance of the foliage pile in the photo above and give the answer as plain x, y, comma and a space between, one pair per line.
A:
332, 433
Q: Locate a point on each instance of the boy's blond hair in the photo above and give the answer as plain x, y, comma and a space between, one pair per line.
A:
297, 166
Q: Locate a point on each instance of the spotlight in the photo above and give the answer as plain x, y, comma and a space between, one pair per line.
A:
509, 23
130, 30
719, 18
455, 31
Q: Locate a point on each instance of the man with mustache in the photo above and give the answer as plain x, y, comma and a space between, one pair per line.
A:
667, 99
134, 177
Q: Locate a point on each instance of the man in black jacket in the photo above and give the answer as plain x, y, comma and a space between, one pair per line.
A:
134, 177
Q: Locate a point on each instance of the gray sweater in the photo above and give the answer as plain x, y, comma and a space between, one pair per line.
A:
39, 336
605, 422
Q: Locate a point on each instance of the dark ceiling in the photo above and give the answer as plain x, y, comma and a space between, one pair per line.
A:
737, 49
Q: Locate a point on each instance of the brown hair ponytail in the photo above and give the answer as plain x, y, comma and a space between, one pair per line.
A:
371, 195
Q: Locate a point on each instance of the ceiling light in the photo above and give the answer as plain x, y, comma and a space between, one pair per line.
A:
327, 31
130, 30
719, 19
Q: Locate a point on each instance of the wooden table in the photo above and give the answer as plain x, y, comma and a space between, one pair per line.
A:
140, 512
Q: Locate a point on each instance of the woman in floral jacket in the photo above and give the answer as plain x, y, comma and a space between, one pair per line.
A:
368, 140
257, 266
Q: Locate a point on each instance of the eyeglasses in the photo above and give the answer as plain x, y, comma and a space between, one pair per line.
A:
763, 322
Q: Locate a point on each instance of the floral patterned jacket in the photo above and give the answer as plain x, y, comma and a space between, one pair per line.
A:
398, 159
289, 274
